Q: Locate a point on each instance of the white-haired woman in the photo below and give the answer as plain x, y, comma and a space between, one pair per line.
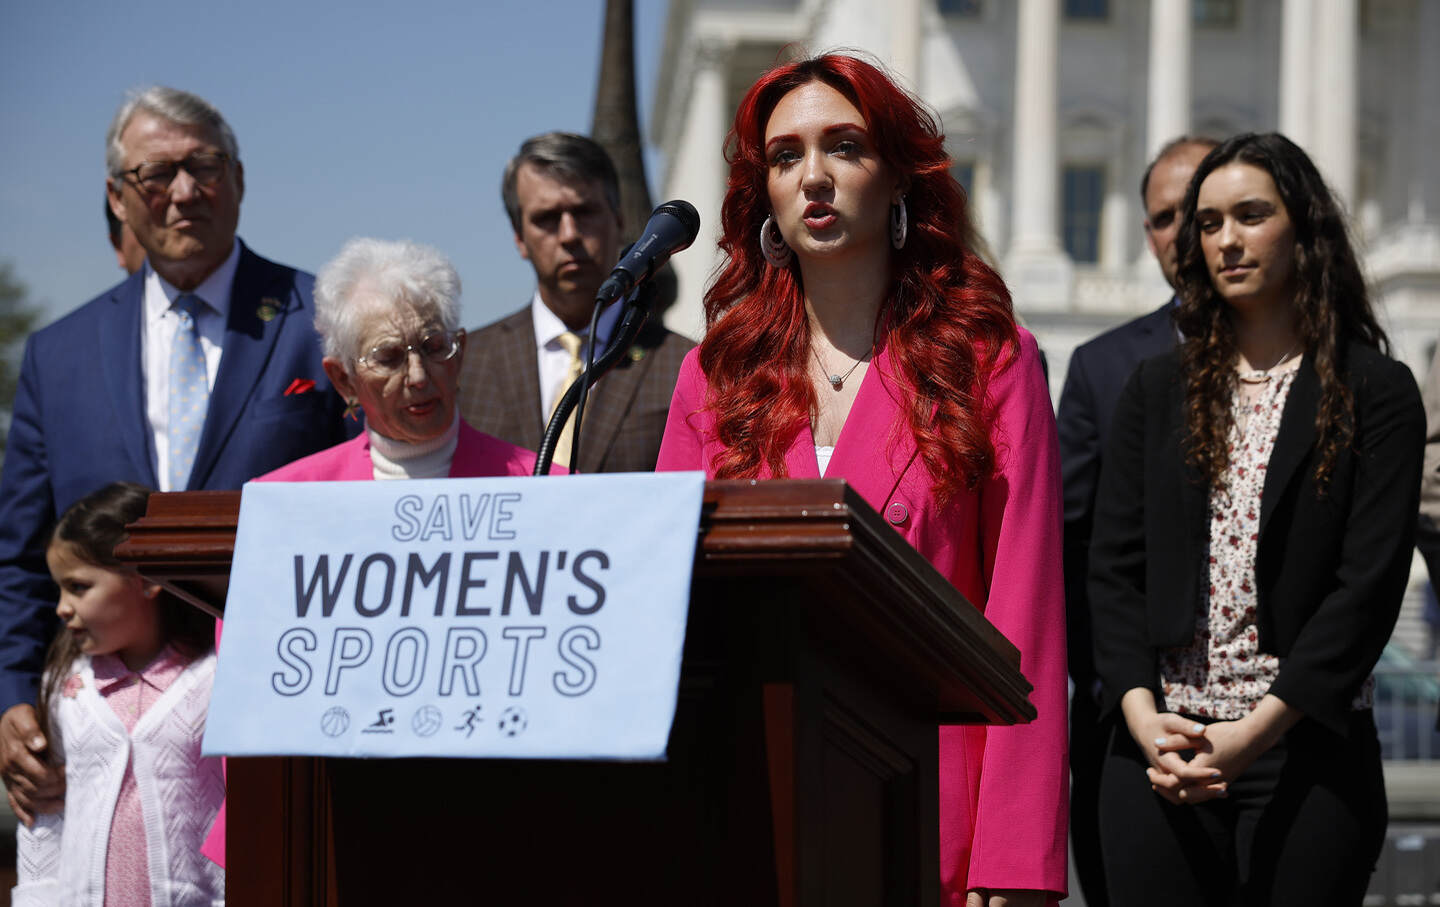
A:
388, 314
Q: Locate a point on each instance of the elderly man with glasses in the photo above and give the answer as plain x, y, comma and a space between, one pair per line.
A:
201, 370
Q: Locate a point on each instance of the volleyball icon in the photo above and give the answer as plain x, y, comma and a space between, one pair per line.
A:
426, 720
335, 721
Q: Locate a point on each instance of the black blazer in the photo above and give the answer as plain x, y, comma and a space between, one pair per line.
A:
1331, 569
1093, 382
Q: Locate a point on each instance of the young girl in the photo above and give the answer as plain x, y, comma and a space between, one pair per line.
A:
123, 702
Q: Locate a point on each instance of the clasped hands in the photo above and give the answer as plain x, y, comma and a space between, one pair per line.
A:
1218, 752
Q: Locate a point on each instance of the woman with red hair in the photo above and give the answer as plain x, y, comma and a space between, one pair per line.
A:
853, 332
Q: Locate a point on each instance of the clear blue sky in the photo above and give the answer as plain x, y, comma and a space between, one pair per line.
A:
355, 118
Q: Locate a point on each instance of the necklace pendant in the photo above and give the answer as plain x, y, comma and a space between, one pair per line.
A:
837, 382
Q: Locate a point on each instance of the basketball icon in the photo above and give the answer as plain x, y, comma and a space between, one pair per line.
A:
335, 721
425, 721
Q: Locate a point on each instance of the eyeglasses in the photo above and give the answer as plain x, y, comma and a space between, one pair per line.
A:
205, 169
390, 358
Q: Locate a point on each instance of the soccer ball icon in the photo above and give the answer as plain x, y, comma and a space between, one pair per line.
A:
512, 721
426, 720
335, 721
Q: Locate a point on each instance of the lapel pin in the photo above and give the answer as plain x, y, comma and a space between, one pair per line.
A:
269, 308
636, 353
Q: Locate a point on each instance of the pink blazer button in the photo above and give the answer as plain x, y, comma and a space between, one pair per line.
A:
896, 513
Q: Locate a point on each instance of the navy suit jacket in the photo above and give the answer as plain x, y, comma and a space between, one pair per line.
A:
79, 423
1093, 382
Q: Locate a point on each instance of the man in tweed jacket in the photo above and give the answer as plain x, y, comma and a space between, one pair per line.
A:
563, 198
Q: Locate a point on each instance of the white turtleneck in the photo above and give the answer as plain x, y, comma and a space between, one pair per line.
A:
431, 459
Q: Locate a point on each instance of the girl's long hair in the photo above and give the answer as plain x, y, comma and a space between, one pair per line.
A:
92, 527
947, 320
1331, 305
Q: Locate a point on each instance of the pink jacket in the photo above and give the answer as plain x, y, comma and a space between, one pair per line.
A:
1004, 802
476, 454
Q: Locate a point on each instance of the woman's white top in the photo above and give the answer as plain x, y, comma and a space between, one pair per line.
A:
431, 459
822, 456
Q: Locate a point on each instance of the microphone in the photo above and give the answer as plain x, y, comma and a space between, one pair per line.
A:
672, 228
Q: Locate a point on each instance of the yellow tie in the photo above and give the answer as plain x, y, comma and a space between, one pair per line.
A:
571, 341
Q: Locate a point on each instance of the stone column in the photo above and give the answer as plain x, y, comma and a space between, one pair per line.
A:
905, 40
1036, 267
1167, 111
701, 169
1424, 193
1167, 107
1115, 227
1333, 132
1297, 36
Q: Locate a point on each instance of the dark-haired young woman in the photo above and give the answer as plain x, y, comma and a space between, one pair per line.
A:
1252, 543
853, 332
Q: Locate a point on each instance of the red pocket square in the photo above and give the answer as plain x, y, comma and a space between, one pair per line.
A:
300, 386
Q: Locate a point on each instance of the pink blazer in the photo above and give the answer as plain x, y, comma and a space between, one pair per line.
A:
1004, 803
476, 454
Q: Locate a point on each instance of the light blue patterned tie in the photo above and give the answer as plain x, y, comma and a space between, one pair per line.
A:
189, 392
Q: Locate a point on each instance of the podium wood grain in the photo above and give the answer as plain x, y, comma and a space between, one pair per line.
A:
821, 653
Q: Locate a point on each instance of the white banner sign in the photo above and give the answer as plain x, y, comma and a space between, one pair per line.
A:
507, 617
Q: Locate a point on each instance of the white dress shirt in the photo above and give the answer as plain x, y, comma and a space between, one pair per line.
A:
157, 337
554, 360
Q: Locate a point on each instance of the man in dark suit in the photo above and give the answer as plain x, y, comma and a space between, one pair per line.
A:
1096, 375
563, 199
201, 370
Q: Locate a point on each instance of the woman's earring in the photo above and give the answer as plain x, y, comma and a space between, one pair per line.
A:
899, 224
772, 244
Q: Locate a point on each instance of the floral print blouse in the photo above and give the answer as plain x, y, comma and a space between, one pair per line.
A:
1223, 674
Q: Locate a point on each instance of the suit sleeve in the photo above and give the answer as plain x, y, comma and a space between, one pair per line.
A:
1022, 811
26, 515
1341, 641
1427, 537
1079, 434
1124, 658
682, 446
1078, 428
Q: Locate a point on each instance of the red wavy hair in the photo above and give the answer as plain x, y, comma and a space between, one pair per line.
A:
947, 320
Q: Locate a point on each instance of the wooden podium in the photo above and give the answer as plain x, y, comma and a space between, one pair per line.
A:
820, 654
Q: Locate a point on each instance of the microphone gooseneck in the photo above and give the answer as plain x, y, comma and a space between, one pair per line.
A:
632, 320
